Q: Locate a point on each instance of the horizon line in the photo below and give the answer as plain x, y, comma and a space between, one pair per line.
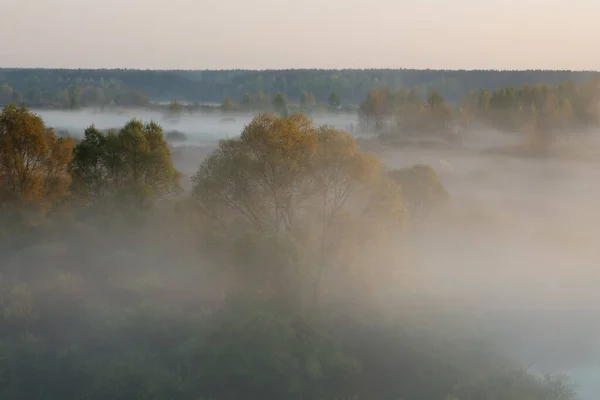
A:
297, 69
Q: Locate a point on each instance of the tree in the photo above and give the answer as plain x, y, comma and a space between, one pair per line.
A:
468, 109
280, 104
175, 108
92, 97
262, 100
307, 99
6, 94
175, 136
414, 97
227, 104
375, 109
33, 160
333, 101
483, 101
435, 99
285, 179
254, 174
134, 161
74, 97
130, 98
247, 100
421, 188
252, 344
439, 113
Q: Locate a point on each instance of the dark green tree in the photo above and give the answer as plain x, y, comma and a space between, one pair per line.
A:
333, 101
134, 160
74, 97
280, 104
247, 100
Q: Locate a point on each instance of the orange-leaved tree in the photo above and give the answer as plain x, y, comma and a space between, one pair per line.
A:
285, 181
33, 160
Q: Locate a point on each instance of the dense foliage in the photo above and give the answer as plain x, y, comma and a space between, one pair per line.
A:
135, 160
267, 281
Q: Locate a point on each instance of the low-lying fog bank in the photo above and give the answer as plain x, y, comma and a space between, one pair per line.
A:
521, 257
200, 128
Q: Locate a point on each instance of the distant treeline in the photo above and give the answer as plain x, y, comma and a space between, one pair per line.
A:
78, 87
540, 109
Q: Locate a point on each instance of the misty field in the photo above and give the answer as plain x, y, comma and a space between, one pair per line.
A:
302, 219
407, 248
517, 258
201, 128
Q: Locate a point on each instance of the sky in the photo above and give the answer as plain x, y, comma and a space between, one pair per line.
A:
274, 34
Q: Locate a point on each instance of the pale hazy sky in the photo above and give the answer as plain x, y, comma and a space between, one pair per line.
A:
257, 34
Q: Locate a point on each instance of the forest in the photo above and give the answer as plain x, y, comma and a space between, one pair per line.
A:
277, 274
61, 88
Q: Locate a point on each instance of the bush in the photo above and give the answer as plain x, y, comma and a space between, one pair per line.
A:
175, 136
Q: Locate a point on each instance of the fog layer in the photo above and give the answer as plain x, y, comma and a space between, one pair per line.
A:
518, 257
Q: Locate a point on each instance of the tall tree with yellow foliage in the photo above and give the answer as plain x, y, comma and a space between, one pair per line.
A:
33, 160
288, 182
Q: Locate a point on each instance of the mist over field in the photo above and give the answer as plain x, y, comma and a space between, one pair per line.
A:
518, 260
528, 276
524, 264
322, 225
201, 128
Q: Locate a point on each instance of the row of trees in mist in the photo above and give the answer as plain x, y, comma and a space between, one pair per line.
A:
542, 111
111, 95
73, 97
279, 102
272, 278
261, 102
39, 87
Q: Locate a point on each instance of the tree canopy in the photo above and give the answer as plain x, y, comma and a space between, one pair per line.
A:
134, 160
33, 160
283, 178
